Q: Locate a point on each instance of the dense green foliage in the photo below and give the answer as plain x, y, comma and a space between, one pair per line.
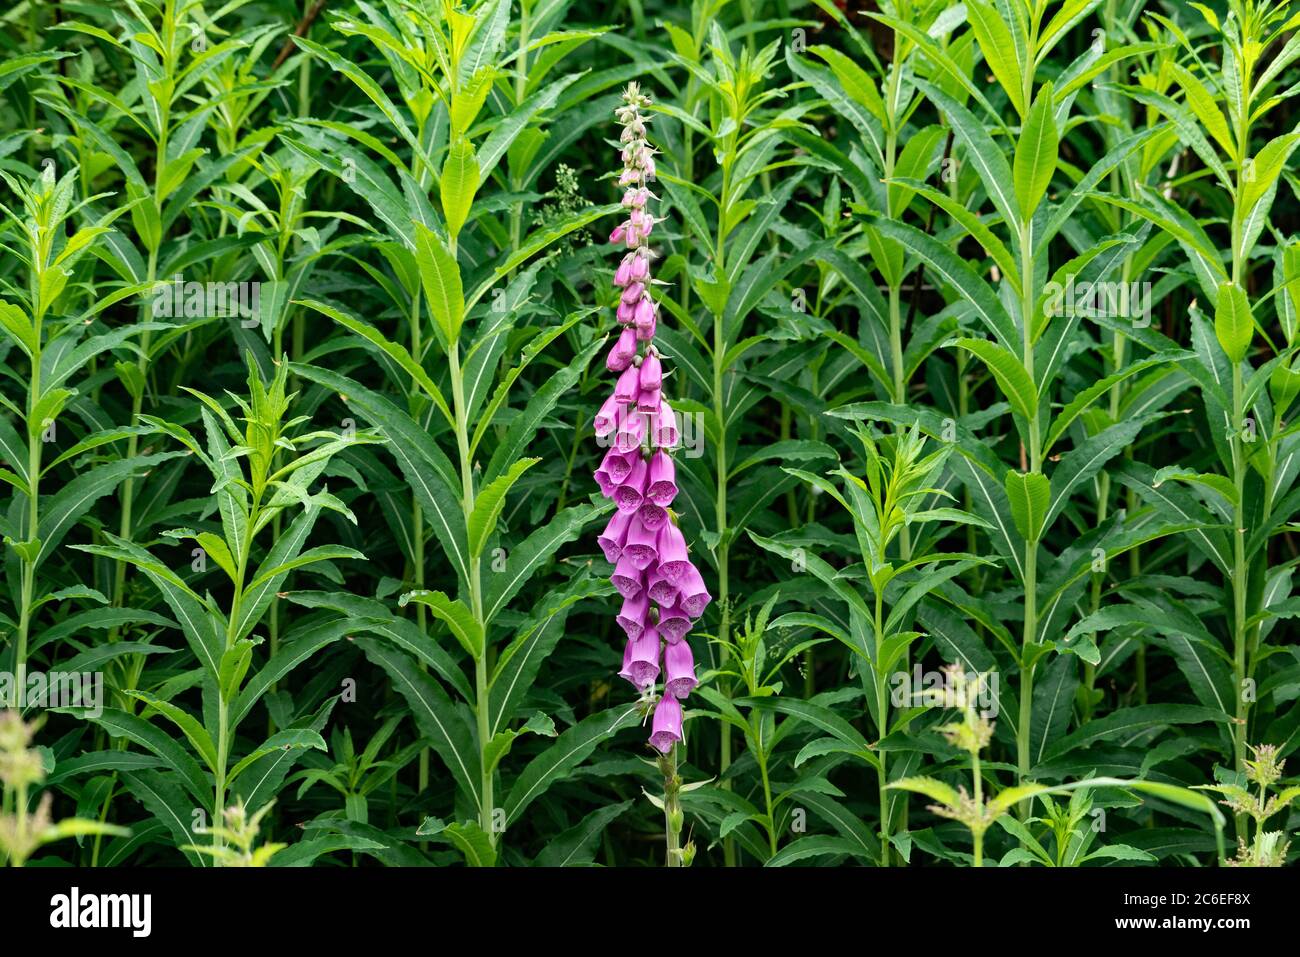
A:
980, 319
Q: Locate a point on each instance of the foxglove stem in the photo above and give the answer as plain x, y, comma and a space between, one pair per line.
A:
672, 809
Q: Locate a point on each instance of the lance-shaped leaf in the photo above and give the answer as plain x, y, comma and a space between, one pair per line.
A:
75, 499
1234, 326
459, 183
198, 735
524, 559
489, 502
954, 271
1011, 376
569, 750
437, 718
1030, 494
425, 467
994, 36
289, 740
440, 278
395, 351
167, 802
1036, 154
204, 629
120, 724
459, 618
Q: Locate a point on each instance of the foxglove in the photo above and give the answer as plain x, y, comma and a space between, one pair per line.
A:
662, 590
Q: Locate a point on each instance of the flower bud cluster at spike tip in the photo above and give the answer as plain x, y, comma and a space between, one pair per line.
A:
662, 590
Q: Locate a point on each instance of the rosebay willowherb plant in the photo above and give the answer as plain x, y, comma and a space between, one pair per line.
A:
938, 334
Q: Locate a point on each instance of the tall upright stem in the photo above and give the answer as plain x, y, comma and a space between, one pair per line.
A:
672, 809
1030, 633
481, 703
882, 706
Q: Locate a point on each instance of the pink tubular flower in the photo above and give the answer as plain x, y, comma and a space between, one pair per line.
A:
631, 430
639, 268
645, 312
651, 371
623, 351
629, 385
694, 596
667, 728
662, 488
641, 545
643, 665
632, 616
679, 669
664, 433
673, 623
662, 589
652, 516
646, 332
631, 490
626, 578
606, 420
647, 400
673, 561
615, 464
611, 539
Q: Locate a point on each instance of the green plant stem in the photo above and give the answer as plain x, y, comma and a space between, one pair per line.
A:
35, 431
417, 528
1030, 633
760, 758
882, 706
672, 810
481, 703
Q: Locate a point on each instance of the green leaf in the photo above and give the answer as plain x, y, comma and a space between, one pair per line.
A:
440, 278
290, 740
568, 751
1261, 173
459, 183
1036, 154
195, 732
523, 560
1234, 326
999, 49
120, 724
1011, 376
437, 718
489, 502
576, 847
1030, 494
458, 617
470, 840
393, 350
15, 322
812, 845
932, 788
